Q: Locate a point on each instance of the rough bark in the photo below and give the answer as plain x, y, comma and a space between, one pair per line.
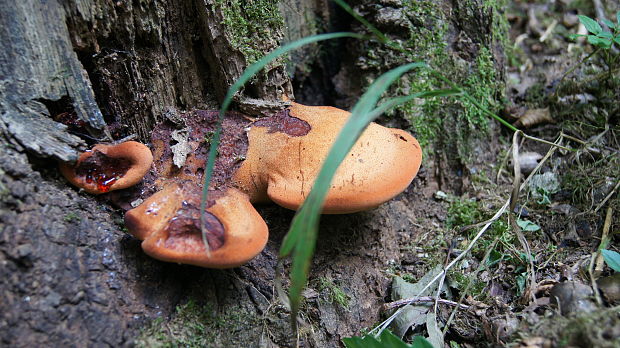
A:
41, 75
72, 276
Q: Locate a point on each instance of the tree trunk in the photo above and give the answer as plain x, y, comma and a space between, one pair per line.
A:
72, 276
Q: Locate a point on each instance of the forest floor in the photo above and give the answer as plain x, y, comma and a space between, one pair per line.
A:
536, 276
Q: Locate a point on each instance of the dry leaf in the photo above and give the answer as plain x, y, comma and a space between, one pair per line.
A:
533, 117
182, 148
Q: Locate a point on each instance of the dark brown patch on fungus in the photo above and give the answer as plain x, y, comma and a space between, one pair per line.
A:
168, 223
184, 229
200, 126
283, 122
102, 170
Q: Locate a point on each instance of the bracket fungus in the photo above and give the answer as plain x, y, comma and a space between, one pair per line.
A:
109, 167
277, 159
168, 223
285, 155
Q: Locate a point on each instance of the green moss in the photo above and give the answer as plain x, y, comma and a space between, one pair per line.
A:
71, 217
249, 23
461, 282
333, 293
427, 42
465, 212
195, 325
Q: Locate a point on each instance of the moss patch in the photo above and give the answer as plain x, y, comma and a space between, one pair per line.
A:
332, 293
196, 325
428, 38
249, 23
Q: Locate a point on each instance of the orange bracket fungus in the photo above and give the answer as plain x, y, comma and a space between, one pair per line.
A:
273, 159
109, 167
286, 153
168, 222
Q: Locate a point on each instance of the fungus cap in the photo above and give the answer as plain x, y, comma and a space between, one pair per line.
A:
109, 167
168, 222
283, 168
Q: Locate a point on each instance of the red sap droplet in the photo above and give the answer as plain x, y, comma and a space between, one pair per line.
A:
104, 183
102, 171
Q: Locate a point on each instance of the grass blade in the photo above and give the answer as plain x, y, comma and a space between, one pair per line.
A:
301, 238
362, 20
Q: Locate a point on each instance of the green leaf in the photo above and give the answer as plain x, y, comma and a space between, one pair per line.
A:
590, 24
600, 42
248, 73
612, 259
605, 35
385, 340
608, 23
618, 18
494, 257
575, 36
521, 280
527, 225
617, 40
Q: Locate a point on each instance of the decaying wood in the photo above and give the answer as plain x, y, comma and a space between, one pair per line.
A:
229, 62
29, 124
37, 64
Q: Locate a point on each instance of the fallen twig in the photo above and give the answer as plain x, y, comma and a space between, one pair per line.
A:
599, 260
422, 299
611, 193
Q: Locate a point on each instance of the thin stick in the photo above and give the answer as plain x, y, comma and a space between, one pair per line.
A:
549, 30
577, 140
607, 197
514, 197
423, 299
502, 164
546, 142
483, 265
598, 268
597, 296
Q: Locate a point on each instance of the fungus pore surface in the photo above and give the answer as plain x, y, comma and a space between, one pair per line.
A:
109, 167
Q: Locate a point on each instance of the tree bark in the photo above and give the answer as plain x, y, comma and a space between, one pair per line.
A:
72, 276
